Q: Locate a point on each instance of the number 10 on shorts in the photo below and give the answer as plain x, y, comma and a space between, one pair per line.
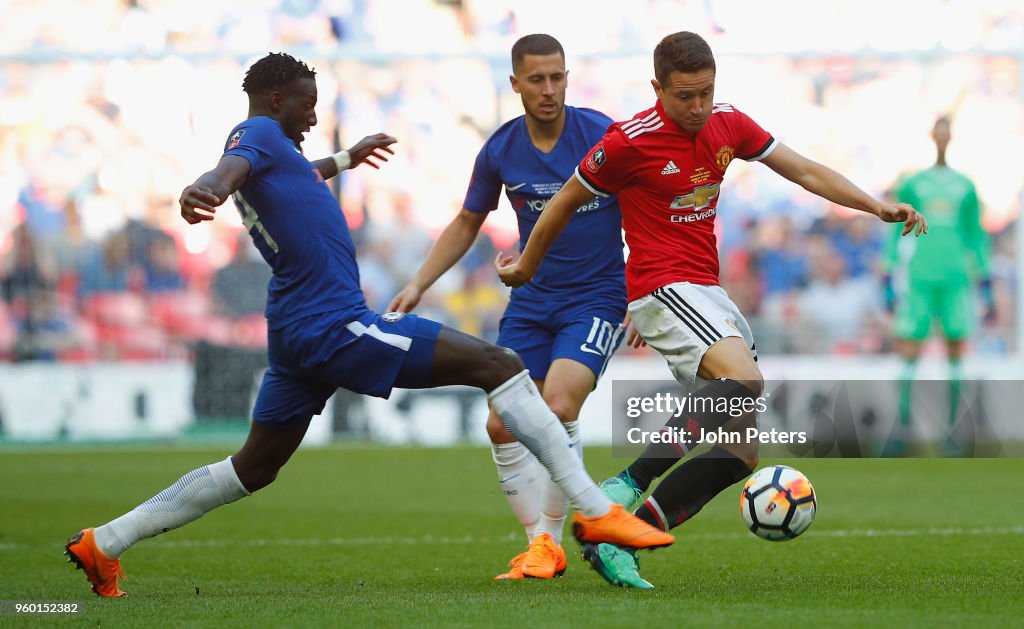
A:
602, 337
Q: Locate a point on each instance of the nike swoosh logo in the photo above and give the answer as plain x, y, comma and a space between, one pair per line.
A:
584, 348
505, 480
514, 188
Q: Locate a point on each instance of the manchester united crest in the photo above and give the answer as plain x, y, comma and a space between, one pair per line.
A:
724, 156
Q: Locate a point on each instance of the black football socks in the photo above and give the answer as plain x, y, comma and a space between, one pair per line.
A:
690, 486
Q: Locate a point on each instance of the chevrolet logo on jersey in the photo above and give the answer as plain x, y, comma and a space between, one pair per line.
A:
699, 199
692, 218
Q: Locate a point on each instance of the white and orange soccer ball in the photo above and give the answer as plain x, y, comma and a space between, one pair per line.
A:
778, 503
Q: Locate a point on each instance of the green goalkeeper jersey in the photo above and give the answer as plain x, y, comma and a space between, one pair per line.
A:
956, 247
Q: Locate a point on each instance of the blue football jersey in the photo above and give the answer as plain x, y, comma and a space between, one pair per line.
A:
296, 224
587, 257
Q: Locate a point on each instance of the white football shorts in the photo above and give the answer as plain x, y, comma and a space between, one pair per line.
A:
683, 320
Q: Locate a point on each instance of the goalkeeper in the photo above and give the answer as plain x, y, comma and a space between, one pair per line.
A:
936, 275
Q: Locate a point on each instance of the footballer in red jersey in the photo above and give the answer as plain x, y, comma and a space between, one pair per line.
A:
666, 166
670, 179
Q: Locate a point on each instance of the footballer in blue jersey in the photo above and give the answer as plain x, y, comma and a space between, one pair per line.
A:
579, 264
321, 335
574, 306
567, 322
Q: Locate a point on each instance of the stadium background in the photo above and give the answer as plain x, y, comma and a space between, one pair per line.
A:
118, 321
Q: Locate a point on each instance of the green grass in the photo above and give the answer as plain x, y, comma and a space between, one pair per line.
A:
412, 537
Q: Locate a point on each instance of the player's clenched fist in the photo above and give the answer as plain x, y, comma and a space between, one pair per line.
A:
198, 204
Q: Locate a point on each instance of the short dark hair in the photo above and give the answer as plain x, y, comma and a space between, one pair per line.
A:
537, 44
944, 119
275, 70
682, 52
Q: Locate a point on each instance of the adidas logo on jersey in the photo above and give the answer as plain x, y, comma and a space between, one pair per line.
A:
670, 168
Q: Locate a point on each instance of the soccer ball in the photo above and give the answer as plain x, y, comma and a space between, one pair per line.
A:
778, 503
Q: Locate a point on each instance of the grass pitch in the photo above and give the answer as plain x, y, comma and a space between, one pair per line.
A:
373, 536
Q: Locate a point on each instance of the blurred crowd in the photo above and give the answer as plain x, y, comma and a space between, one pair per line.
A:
109, 108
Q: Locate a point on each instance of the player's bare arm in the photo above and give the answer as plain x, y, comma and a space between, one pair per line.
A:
200, 200
451, 245
556, 215
828, 184
371, 150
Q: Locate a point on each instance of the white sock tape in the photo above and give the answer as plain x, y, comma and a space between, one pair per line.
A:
343, 159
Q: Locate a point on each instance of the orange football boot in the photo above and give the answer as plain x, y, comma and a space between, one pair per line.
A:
621, 528
515, 568
544, 560
101, 571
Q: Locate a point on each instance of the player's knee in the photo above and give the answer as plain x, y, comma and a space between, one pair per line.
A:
262, 480
908, 349
496, 430
563, 406
253, 476
502, 363
750, 378
744, 371
754, 383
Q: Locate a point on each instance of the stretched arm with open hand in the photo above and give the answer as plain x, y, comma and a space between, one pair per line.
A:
828, 184
370, 149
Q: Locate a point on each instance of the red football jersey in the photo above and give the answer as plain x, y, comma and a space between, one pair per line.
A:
667, 181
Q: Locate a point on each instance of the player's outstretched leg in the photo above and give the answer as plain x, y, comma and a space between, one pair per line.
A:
463, 359
679, 497
98, 550
617, 566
